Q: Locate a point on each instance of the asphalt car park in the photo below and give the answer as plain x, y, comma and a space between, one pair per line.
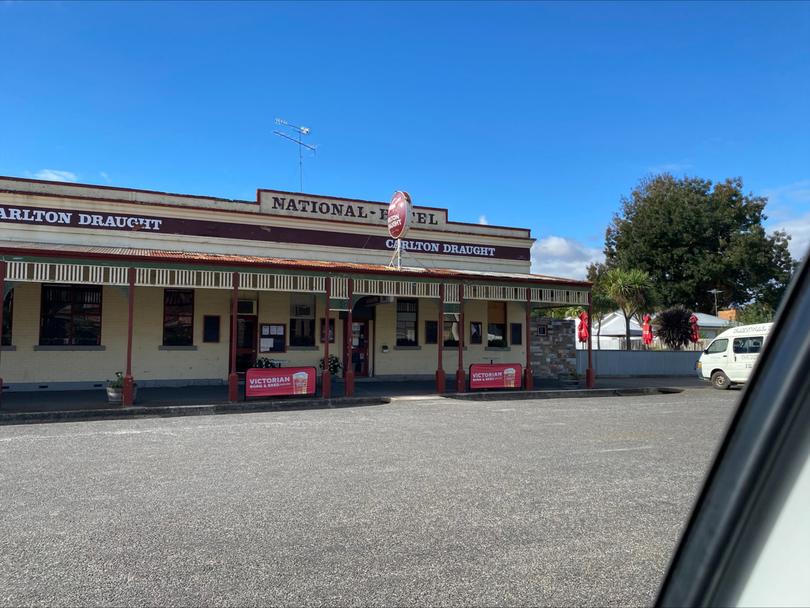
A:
425, 501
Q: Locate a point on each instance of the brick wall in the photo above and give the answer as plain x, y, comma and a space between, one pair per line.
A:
553, 354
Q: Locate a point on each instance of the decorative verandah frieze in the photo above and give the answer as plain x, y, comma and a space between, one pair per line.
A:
290, 281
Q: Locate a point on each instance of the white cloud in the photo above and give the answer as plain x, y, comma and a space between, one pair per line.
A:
561, 257
482, 219
674, 168
104, 176
799, 230
55, 175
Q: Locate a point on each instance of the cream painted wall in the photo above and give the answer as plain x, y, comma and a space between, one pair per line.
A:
209, 361
423, 359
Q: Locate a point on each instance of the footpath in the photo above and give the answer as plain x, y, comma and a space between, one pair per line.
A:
63, 406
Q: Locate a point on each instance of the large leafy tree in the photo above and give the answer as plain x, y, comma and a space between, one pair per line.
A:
632, 291
692, 236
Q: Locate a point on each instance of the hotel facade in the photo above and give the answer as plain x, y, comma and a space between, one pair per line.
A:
176, 289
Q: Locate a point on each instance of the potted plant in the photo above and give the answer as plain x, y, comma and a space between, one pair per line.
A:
334, 365
115, 389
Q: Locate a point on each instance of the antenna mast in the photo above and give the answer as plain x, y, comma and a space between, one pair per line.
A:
298, 131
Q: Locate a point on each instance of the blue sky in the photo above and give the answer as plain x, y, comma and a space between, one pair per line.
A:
526, 114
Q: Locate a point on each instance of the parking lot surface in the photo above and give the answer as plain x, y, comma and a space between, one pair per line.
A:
420, 502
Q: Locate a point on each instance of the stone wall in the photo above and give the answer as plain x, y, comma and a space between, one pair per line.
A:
554, 352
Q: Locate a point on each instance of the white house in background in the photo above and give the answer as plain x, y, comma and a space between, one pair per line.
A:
613, 332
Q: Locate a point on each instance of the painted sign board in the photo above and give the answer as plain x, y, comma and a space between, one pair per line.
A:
152, 224
495, 375
399, 214
279, 381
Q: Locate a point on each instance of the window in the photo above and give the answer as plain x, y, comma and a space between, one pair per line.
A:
272, 338
516, 333
718, 346
750, 346
178, 317
302, 319
450, 332
496, 324
211, 328
8, 309
70, 315
431, 332
406, 323
476, 332
331, 330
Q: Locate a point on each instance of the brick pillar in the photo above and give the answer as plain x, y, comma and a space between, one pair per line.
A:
128, 397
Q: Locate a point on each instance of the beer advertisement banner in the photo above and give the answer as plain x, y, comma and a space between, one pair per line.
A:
495, 375
279, 381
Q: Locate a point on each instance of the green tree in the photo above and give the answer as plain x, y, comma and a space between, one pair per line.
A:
755, 313
601, 303
692, 236
631, 290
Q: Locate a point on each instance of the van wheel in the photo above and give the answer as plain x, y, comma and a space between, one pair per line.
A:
720, 381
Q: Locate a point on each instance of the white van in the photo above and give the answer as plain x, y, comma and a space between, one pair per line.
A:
730, 357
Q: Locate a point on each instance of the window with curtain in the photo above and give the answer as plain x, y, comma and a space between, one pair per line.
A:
407, 311
496, 324
178, 317
70, 315
302, 319
451, 329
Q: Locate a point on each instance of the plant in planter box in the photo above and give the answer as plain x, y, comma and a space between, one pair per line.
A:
334, 365
115, 389
265, 363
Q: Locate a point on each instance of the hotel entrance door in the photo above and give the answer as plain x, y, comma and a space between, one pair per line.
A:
359, 351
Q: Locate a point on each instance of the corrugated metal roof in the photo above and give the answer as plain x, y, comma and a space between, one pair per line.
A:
196, 257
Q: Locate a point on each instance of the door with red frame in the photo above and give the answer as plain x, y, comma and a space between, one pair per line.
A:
246, 342
358, 357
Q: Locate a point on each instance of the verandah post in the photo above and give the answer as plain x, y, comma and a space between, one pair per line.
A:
326, 377
128, 396
348, 375
528, 382
461, 381
440, 377
590, 377
2, 306
233, 378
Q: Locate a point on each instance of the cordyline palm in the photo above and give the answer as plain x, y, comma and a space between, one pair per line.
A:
631, 290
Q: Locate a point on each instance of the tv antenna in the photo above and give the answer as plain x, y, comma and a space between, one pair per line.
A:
298, 132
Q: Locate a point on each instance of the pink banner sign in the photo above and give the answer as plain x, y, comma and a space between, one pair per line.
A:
495, 375
279, 381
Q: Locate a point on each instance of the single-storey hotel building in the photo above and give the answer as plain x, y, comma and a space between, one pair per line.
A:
175, 289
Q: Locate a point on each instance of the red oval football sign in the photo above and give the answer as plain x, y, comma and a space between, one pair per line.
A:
399, 214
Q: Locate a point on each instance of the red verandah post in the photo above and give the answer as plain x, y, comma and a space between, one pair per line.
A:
348, 376
440, 377
461, 382
529, 379
590, 377
233, 379
2, 302
128, 396
326, 377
